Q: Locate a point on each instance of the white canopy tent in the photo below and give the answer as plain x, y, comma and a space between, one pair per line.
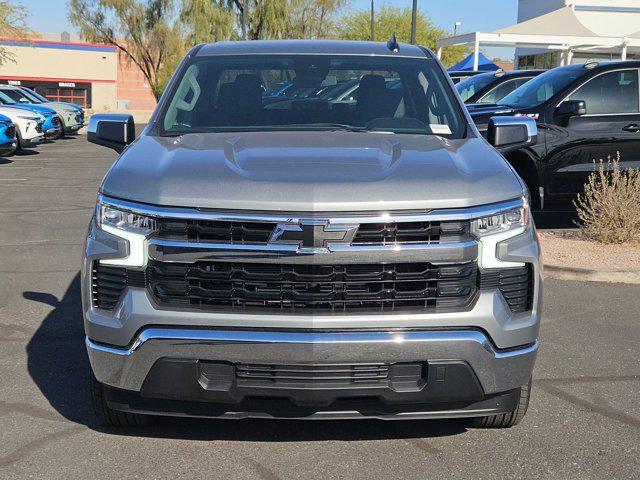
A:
560, 30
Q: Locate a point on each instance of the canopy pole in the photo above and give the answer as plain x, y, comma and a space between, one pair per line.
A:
440, 53
476, 54
623, 54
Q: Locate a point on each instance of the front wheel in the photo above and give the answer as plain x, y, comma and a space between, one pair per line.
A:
507, 420
111, 417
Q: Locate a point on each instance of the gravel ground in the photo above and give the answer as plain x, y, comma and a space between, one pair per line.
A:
583, 423
570, 249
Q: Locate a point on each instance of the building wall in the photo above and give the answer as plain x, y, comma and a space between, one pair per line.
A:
134, 92
75, 70
53, 67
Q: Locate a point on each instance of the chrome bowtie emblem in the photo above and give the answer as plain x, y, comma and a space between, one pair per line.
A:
312, 235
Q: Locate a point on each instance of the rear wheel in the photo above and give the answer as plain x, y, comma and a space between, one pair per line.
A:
111, 417
507, 420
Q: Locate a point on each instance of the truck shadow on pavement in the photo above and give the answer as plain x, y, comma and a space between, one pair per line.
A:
57, 362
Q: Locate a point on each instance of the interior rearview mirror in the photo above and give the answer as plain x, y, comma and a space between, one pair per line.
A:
507, 134
571, 108
111, 130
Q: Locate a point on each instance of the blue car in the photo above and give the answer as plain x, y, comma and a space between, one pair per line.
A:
52, 127
8, 142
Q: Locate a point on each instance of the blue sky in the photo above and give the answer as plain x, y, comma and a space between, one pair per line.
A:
51, 16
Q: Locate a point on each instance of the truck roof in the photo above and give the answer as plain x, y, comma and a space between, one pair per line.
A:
301, 47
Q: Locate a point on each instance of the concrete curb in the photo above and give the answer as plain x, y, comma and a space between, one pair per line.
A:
586, 275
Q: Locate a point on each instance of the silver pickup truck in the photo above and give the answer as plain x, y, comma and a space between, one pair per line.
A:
267, 248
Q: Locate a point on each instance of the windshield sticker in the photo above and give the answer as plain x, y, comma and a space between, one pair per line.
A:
438, 129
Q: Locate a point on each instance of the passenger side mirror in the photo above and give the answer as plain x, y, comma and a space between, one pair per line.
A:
111, 130
507, 134
571, 108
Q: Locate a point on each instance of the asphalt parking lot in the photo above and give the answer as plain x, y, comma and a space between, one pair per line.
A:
584, 419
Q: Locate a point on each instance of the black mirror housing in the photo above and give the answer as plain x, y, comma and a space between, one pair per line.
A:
111, 130
571, 108
507, 134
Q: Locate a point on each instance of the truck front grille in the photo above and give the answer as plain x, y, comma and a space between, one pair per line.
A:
325, 288
258, 233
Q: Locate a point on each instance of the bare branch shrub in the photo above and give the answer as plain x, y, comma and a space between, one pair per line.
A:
609, 208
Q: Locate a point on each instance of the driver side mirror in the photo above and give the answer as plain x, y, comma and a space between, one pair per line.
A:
507, 134
111, 130
571, 108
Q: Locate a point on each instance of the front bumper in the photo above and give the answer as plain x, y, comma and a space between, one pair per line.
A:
31, 142
460, 371
53, 132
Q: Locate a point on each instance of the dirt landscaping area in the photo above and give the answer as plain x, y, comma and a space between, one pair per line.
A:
570, 249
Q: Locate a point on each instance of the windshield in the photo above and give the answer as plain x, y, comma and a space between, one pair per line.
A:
312, 92
540, 89
30, 95
468, 87
5, 99
15, 95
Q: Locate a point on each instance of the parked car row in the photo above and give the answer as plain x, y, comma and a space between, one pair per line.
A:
27, 119
584, 113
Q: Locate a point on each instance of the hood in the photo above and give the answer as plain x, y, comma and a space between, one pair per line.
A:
311, 171
15, 111
36, 108
486, 108
63, 107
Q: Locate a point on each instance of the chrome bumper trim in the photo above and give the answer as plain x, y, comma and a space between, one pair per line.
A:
127, 368
170, 251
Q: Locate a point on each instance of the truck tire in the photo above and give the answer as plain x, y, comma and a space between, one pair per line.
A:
507, 420
111, 417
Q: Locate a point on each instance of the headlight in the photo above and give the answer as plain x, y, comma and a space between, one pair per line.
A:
109, 216
130, 226
515, 218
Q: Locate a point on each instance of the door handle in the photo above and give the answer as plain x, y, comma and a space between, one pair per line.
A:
633, 128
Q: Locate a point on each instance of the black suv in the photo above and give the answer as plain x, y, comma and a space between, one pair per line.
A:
493, 86
584, 113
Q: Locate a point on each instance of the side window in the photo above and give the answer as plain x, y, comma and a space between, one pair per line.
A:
613, 92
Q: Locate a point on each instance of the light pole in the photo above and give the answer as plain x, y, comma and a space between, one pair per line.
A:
414, 13
455, 28
373, 36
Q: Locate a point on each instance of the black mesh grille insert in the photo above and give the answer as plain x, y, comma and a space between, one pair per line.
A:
11, 131
215, 231
374, 373
207, 284
108, 284
515, 284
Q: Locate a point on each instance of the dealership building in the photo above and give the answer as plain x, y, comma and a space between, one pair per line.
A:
69, 70
551, 33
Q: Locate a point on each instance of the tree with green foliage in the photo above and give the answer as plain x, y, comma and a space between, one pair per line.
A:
206, 21
12, 25
390, 20
146, 33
